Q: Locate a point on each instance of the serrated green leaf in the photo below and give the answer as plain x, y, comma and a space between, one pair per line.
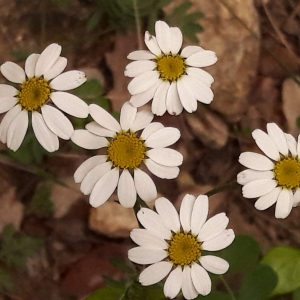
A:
258, 284
285, 261
242, 254
215, 295
107, 293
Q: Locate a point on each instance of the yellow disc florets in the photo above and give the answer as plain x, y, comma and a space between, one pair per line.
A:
126, 150
34, 93
287, 172
170, 67
184, 249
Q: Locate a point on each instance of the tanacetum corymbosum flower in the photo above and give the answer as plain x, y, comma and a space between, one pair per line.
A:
173, 79
274, 178
126, 151
41, 94
172, 244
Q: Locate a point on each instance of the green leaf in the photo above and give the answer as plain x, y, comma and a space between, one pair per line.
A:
258, 284
242, 254
90, 89
296, 294
285, 261
107, 293
215, 295
298, 122
122, 266
16, 247
5, 280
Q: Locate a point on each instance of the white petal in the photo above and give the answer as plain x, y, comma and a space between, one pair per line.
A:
155, 273
284, 204
298, 146
258, 188
214, 264
168, 214
68, 80
200, 279
190, 50
56, 69
188, 289
93, 176
155, 126
9, 116
256, 161
163, 36
127, 116
97, 129
104, 187
57, 122
153, 222
213, 227
138, 67
173, 103
160, 170
87, 166
165, 156
144, 185
7, 91
143, 82
145, 238
13, 72
220, 242
30, 64
87, 140
159, 100
126, 190
143, 118
152, 44
6, 103
278, 137
186, 95
250, 175
199, 214
266, 144
176, 39
17, 130
202, 59
163, 138
47, 59
145, 256
292, 144
186, 210
173, 283
267, 200
140, 55
104, 118
296, 198
200, 75
70, 104
141, 99
44, 135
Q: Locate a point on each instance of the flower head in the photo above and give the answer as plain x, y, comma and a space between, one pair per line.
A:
274, 178
40, 86
176, 242
173, 79
126, 151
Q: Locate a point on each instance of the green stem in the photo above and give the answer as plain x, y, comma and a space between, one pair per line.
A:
223, 187
138, 24
229, 290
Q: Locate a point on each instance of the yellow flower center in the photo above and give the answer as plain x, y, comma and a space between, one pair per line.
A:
126, 150
184, 249
287, 172
170, 67
34, 93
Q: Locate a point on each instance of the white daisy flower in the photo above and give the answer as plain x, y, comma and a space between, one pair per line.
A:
126, 151
274, 178
173, 246
40, 86
173, 79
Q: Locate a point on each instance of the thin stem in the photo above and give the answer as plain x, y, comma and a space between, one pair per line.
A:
229, 290
138, 24
223, 187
